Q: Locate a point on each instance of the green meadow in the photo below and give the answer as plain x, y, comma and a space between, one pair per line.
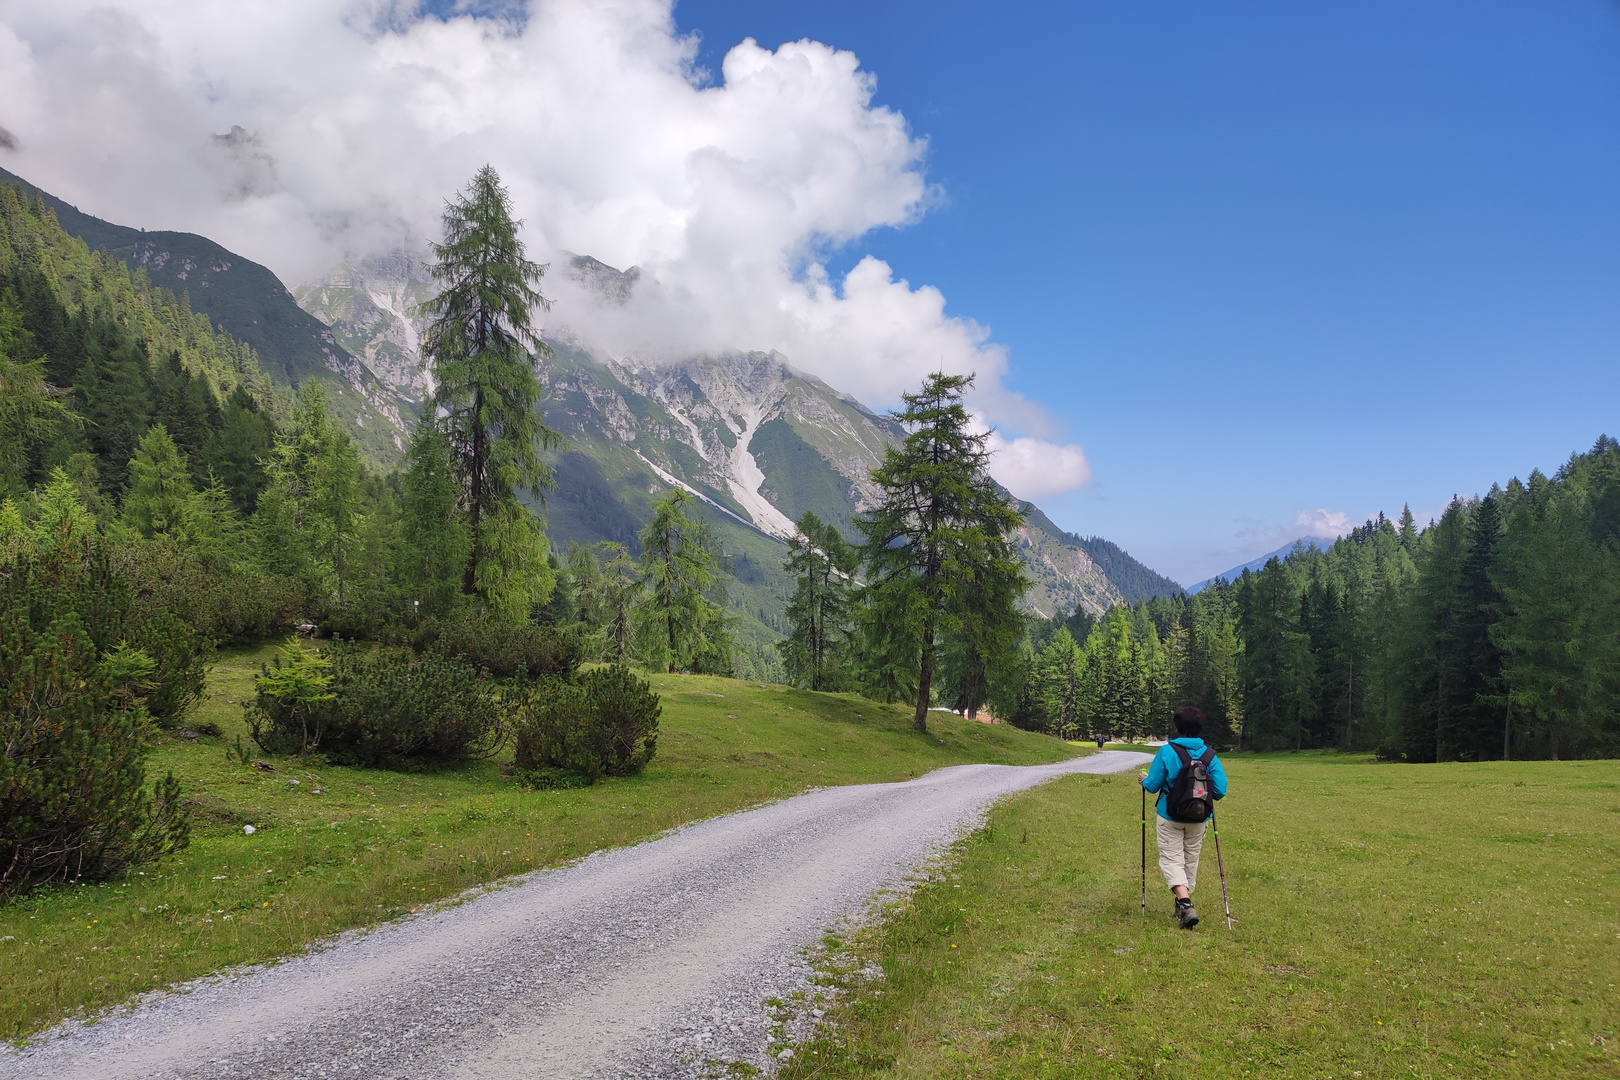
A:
1393, 921
337, 848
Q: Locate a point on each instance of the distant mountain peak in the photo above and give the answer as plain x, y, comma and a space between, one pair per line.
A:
1256, 564
608, 283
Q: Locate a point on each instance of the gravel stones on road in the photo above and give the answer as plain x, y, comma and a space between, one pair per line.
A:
651, 961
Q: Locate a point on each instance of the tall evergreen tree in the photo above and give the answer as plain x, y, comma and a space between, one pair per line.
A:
160, 492
1437, 682
435, 536
481, 343
941, 525
680, 566
820, 613
1480, 706
237, 450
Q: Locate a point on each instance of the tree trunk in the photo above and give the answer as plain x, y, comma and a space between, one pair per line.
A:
469, 577
1507, 726
925, 677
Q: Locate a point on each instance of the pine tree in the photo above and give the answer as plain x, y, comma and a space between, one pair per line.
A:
940, 526
309, 515
1062, 690
235, 453
820, 613
680, 620
1437, 681
435, 540
160, 492
481, 343
1552, 635
1479, 662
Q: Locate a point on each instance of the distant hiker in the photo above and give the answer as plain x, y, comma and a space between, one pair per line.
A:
1188, 778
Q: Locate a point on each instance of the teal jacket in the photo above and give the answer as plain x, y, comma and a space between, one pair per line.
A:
1166, 767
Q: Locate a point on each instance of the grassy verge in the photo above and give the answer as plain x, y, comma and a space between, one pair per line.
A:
336, 848
1395, 921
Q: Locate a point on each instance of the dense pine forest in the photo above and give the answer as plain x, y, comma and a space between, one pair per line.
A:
1491, 633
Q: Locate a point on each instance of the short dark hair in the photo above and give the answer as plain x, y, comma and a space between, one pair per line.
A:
1189, 721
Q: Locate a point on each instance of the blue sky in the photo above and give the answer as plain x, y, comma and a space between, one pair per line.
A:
1262, 259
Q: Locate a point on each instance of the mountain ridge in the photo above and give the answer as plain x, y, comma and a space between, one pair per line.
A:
1318, 542
249, 302
757, 440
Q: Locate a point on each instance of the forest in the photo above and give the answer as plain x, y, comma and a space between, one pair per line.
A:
1492, 633
160, 498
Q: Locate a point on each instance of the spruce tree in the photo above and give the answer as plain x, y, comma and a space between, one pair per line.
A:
482, 346
235, 453
1479, 662
942, 528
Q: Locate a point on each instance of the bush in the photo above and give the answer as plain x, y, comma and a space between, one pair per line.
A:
376, 705
73, 799
180, 665
505, 649
221, 603
606, 724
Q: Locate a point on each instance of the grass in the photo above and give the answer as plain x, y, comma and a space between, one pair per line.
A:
337, 848
1395, 921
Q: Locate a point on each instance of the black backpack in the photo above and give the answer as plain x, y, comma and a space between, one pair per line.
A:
1192, 796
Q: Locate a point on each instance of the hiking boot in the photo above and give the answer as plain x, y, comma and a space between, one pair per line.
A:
1186, 915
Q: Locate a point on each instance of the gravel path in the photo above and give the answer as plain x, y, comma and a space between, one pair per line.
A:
648, 961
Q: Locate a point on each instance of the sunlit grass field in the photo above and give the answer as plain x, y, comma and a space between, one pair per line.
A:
336, 848
1456, 920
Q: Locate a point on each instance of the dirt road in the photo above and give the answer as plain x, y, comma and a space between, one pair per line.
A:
647, 961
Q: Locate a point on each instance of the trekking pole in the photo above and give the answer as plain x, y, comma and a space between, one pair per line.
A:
1144, 849
1222, 865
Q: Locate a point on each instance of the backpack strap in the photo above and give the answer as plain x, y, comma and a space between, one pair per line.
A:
1181, 752
1207, 756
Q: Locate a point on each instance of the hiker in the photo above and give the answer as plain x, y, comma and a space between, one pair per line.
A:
1184, 806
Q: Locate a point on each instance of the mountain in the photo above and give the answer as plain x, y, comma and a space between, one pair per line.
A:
1317, 542
248, 302
759, 442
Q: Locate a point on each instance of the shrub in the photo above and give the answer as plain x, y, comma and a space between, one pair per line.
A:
627, 711
180, 664
73, 799
606, 724
377, 705
505, 649
224, 604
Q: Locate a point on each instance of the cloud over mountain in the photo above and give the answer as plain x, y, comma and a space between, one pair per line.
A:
303, 133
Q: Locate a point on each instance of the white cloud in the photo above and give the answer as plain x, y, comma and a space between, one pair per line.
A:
728, 195
1322, 522
1033, 469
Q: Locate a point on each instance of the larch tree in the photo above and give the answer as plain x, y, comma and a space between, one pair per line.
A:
482, 345
821, 611
941, 527
680, 615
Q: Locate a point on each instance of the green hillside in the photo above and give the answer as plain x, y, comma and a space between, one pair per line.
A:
247, 301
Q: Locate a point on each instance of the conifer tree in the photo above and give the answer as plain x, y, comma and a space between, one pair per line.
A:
235, 452
821, 611
435, 536
160, 491
481, 343
941, 526
309, 515
679, 616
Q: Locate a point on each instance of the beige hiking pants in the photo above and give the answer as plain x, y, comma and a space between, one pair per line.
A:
1179, 844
